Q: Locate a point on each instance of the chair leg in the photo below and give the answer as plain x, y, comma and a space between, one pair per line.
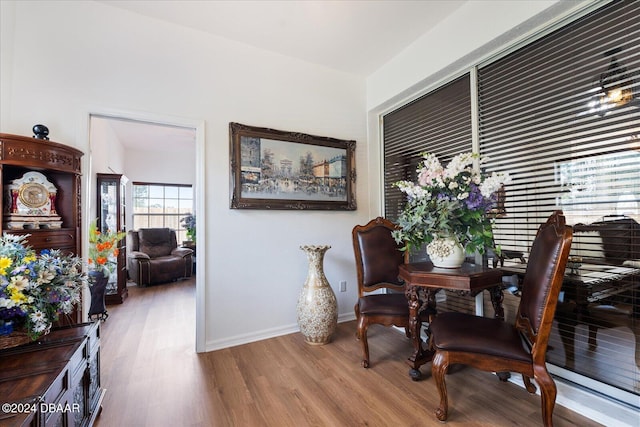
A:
363, 325
439, 366
548, 393
356, 309
528, 385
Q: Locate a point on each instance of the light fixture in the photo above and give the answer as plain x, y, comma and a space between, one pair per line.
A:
615, 86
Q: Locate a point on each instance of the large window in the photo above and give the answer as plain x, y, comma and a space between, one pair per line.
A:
162, 205
561, 114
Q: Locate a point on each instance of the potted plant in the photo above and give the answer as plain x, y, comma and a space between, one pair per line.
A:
189, 222
103, 251
35, 289
447, 209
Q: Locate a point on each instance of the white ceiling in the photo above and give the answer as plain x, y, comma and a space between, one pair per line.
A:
356, 37
353, 36
144, 136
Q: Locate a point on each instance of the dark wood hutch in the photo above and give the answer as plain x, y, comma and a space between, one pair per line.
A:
61, 165
56, 380
111, 217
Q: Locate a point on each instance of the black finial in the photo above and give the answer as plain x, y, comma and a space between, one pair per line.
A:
41, 132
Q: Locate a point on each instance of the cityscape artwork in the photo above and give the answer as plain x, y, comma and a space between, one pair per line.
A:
286, 170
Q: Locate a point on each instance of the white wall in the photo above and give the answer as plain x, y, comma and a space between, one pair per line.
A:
106, 155
166, 167
66, 59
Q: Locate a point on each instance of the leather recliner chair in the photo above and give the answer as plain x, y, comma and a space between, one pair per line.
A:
153, 257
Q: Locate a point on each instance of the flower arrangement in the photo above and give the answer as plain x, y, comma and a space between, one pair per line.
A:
450, 201
189, 222
103, 248
36, 289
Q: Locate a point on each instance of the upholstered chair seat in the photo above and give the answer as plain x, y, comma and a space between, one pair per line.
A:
489, 336
383, 304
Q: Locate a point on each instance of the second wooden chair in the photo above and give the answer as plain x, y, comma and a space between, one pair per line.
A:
378, 257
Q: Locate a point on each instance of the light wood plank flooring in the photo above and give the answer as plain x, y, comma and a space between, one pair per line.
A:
154, 377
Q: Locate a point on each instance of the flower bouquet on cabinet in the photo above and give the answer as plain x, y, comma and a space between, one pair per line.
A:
35, 289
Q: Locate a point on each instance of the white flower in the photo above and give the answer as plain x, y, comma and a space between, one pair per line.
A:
459, 164
412, 190
45, 276
463, 196
38, 317
40, 326
7, 303
493, 183
432, 170
67, 306
19, 282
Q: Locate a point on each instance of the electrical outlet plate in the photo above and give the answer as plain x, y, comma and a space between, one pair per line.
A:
343, 286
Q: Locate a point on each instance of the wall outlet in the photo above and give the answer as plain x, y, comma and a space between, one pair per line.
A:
343, 286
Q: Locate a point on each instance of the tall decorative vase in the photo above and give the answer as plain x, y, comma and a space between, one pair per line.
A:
98, 287
446, 252
317, 308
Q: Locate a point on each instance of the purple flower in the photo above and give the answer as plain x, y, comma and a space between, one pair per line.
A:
11, 313
475, 201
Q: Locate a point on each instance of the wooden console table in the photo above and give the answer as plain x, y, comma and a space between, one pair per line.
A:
424, 281
54, 381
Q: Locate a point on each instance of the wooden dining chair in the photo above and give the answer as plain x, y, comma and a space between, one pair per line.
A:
378, 257
494, 345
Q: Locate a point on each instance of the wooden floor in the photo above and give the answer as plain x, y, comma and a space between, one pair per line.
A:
154, 378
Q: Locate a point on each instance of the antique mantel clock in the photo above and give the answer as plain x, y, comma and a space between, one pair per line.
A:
30, 203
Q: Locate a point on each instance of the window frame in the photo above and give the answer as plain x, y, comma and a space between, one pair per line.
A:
181, 232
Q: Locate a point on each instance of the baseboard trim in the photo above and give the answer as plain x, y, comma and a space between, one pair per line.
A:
264, 334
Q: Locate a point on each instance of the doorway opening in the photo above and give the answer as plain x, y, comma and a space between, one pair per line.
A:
150, 148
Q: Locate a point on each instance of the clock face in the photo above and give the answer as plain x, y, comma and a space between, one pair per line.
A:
34, 195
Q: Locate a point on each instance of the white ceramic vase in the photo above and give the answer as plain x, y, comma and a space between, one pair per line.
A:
317, 308
446, 252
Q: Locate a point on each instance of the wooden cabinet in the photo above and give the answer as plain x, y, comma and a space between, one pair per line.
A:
62, 239
111, 216
60, 166
53, 382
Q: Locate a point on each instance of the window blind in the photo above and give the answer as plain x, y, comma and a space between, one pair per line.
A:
438, 122
562, 116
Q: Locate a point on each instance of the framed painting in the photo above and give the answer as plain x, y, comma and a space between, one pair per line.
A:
273, 169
